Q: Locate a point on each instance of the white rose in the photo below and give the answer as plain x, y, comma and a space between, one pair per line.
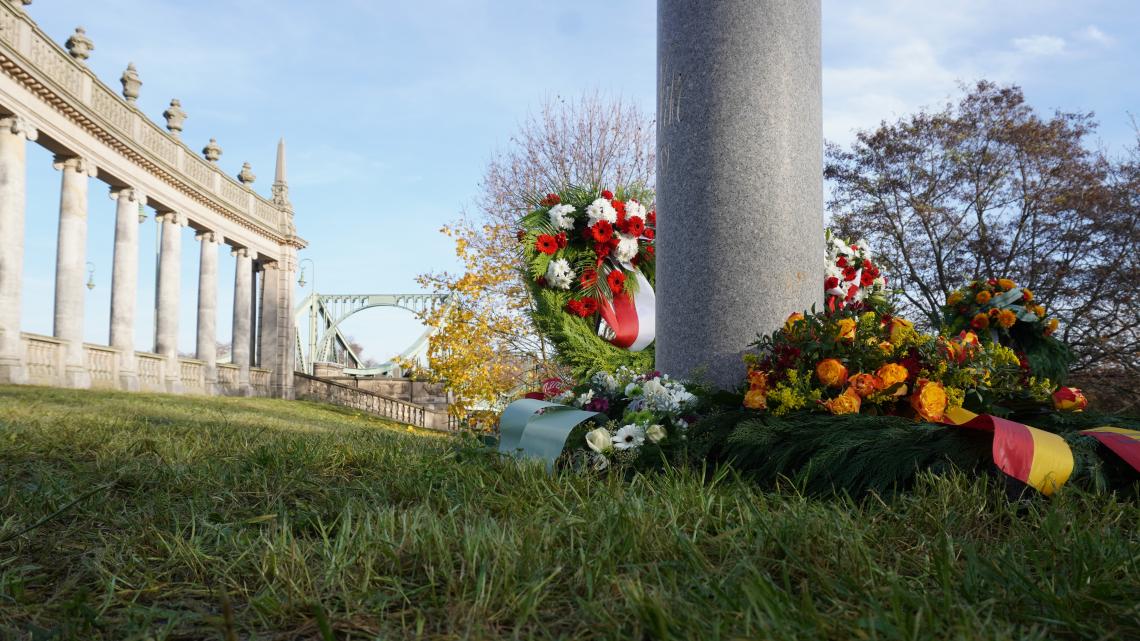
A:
599, 440
655, 433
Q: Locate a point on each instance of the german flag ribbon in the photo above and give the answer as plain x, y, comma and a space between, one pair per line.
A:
1035, 457
1123, 442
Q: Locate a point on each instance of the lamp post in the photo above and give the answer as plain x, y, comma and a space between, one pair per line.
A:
310, 369
90, 275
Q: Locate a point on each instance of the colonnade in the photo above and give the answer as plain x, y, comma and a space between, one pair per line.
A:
253, 343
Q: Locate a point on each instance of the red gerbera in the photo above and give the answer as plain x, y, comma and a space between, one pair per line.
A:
589, 306
616, 280
649, 249
619, 207
574, 306
546, 244
608, 195
588, 278
649, 233
602, 231
634, 226
561, 240
550, 200
602, 250
651, 218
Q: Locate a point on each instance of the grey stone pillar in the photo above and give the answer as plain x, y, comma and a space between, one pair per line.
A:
14, 134
169, 283
70, 264
207, 339
125, 282
268, 334
239, 345
739, 169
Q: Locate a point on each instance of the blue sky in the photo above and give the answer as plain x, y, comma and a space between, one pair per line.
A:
392, 109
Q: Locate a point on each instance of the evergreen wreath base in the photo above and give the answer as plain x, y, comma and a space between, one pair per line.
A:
577, 342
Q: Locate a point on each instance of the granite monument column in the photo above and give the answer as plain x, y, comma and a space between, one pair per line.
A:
15, 132
739, 174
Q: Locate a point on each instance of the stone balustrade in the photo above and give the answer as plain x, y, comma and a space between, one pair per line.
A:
316, 389
49, 96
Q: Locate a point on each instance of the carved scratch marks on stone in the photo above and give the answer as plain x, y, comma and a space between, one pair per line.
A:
669, 93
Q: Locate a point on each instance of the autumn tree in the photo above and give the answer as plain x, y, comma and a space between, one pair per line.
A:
486, 348
988, 188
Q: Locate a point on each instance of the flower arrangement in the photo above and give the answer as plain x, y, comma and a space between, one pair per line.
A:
851, 277
858, 359
588, 246
1001, 312
643, 411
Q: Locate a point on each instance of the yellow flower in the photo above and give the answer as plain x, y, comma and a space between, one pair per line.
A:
831, 373
929, 400
1069, 399
865, 384
886, 347
983, 297
1006, 284
955, 397
901, 330
756, 400
954, 298
846, 329
892, 374
1026, 295
1006, 318
1051, 327
846, 403
758, 380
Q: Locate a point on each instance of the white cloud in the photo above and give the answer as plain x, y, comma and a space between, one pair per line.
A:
1092, 34
1039, 45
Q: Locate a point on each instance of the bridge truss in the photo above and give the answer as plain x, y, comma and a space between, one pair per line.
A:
325, 341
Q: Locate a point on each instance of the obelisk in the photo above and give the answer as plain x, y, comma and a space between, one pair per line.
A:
739, 178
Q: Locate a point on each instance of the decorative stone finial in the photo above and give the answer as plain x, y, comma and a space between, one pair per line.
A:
131, 83
212, 151
280, 187
79, 45
246, 175
174, 116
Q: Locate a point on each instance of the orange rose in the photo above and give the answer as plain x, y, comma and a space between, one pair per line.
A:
865, 384
1006, 318
757, 380
846, 329
981, 321
755, 400
892, 374
1051, 327
793, 320
846, 403
1006, 284
1026, 295
929, 400
983, 297
1069, 399
831, 373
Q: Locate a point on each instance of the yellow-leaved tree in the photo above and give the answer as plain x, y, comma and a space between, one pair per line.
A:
485, 349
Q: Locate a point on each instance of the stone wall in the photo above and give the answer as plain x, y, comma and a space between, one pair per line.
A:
311, 388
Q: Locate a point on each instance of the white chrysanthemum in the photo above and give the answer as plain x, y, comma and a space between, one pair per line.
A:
634, 208
629, 437
559, 274
626, 249
601, 209
560, 216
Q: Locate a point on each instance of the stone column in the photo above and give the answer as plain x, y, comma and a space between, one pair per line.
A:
239, 345
739, 169
70, 263
169, 282
125, 282
14, 134
268, 334
207, 343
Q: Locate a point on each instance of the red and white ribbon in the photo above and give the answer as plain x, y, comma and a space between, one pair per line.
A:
630, 322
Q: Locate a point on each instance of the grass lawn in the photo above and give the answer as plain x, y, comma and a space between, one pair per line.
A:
161, 517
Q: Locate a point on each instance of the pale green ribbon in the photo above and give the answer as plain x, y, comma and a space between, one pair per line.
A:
525, 433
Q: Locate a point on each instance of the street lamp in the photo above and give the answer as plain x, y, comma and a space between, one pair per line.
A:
312, 310
90, 275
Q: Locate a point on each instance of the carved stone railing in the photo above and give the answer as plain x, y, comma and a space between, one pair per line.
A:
102, 366
193, 373
34, 60
259, 381
45, 359
228, 377
152, 370
312, 388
